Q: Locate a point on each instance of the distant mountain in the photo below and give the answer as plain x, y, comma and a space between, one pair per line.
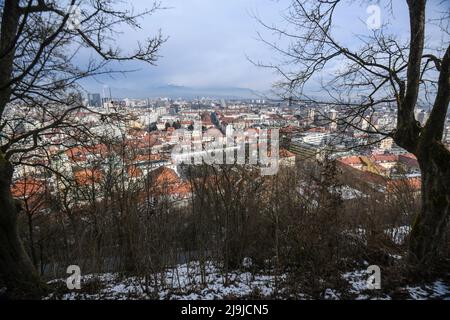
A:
174, 91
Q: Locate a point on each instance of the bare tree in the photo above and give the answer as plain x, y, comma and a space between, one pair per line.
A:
384, 70
39, 91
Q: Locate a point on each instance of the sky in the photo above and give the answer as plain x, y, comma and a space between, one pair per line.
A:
210, 41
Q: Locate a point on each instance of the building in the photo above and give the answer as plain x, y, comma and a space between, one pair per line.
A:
386, 173
287, 158
94, 100
315, 145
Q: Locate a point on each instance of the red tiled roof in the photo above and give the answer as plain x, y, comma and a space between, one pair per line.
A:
166, 181
80, 153
286, 153
318, 129
134, 172
412, 183
409, 159
289, 129
384, 158
148, 157
77, 154
88, 176
27, 187
352, 160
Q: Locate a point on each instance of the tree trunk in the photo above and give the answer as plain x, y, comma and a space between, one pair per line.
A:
430, 224
16, 270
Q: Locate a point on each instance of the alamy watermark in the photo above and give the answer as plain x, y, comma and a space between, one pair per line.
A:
74, 280
374, 280
74, 17
237, 146
373, 22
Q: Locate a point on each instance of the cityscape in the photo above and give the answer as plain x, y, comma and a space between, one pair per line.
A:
308, 132
310, 162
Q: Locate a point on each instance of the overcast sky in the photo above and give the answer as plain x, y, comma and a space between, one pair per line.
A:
209, 41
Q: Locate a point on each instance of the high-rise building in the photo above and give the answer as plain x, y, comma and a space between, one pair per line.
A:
94, 100
332, 116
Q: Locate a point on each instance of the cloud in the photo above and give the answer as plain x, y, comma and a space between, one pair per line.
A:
208, 45
209, 42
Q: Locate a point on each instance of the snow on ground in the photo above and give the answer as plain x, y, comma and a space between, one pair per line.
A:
398, 235
349, 193
436, 290
185, 283
358, 286
181, 283
358, 281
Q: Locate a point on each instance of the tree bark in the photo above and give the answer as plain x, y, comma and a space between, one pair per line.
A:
16, 270
429, 225
426, 143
